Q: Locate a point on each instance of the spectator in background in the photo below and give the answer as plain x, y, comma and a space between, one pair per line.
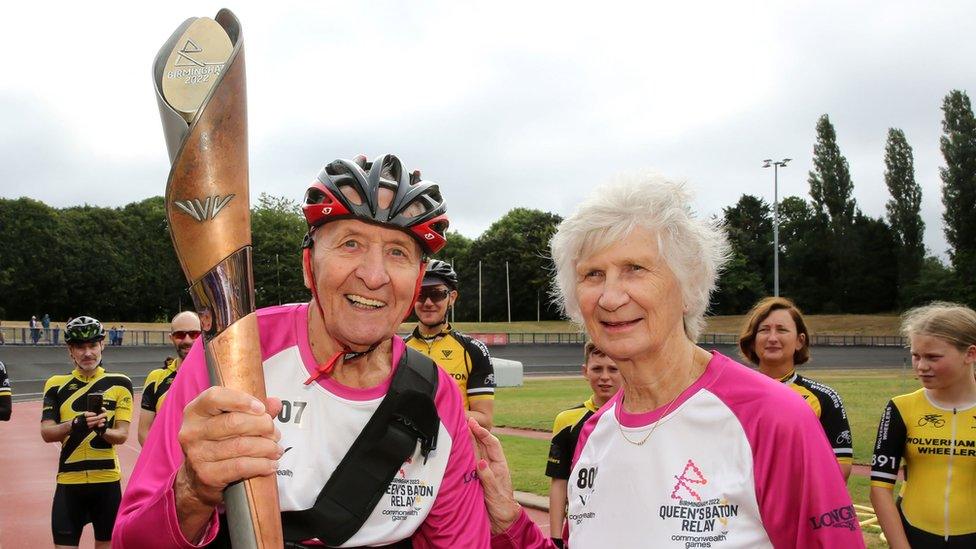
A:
465, 358
35, 329
933, 432
184, 330
112, 335
120, 334
46, 324
775, 338
87, 412
2, 340
5, 395
604, 378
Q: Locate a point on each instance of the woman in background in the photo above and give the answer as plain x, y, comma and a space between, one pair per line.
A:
776, 339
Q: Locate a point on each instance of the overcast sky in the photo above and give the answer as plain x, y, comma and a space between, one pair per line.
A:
504, 104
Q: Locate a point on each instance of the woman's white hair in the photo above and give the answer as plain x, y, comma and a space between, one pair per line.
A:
694, 249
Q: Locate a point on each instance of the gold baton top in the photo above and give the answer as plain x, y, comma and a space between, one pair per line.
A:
194, 66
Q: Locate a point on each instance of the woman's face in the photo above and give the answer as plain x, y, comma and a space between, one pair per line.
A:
777, 339
629, 298
940, 364
365, 276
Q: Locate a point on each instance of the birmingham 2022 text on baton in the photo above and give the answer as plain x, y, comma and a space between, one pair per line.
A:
199, 80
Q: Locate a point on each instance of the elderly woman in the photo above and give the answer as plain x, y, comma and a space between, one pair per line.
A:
695, 450
933, 431
775, 338
344, 385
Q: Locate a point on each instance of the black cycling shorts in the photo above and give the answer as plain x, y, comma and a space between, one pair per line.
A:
922, 539
75, 505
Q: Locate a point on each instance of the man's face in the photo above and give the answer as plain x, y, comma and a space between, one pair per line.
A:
184, 330
365, 276
87, 355
433, 302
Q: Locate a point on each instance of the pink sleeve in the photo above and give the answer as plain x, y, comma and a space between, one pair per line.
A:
459, 517
803, 500
147, 514
523, 534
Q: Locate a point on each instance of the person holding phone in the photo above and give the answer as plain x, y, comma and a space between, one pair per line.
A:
184, 329
88, 412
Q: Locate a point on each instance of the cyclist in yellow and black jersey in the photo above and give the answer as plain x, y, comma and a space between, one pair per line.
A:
184, 330
157, 383
5, 395
932, 431
87, 412
775, 338
604, 378
829, 408
466, 359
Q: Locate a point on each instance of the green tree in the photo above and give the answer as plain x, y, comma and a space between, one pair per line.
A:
804, 272
748, 275
520, 237
831, 189
33, 279
904, 207
873, 284
935, 281
277, 230
830, 180
958, 145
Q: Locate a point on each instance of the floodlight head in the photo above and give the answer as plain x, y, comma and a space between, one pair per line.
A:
785, 160
767, 163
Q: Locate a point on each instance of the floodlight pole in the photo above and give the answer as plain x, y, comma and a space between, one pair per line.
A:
776, 166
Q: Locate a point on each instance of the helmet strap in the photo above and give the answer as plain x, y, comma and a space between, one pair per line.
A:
344, 353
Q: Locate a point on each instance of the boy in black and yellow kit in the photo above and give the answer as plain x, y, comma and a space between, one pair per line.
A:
88, 412
604, 378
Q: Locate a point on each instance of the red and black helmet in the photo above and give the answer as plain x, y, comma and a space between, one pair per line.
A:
350, 189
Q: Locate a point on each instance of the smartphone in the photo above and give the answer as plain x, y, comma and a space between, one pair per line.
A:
95, 402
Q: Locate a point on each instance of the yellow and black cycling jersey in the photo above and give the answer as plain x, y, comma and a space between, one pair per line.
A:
829, 408
6, 405
565, 433
157, 383
938, 446
85, 456
464, 358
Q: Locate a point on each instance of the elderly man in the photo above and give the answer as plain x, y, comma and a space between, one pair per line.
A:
184, 329
342, 383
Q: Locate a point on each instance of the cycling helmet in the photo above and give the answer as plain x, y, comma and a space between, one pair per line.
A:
416, 207
441, 272
83, 329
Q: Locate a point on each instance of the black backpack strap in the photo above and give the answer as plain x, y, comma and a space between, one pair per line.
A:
407, 415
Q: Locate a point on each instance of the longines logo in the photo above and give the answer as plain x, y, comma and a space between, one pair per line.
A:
202, 211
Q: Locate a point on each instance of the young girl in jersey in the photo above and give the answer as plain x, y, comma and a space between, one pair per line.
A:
776, 339
934, 430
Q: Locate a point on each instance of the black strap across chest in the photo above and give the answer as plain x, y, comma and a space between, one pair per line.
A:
407, 415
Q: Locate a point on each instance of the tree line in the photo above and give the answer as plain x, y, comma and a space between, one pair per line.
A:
119, 262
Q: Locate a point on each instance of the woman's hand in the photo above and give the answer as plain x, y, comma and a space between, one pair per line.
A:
226, 436
495, 479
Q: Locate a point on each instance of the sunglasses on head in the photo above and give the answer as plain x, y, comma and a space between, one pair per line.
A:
436, 295
183, 333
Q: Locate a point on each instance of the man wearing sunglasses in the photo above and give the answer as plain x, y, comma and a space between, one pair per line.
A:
184, 330
464, 358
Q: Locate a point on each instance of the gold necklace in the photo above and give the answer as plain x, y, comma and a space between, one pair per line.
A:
653, 427
664, 415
